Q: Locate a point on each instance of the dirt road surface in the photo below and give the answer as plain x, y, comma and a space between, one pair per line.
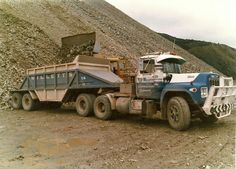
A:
61, 139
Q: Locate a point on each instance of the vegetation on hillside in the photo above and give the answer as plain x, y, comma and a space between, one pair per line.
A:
220, 56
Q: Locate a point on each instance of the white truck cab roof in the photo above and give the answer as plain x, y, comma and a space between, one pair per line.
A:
167, 57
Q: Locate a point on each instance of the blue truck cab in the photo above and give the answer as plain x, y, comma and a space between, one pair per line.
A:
181, 96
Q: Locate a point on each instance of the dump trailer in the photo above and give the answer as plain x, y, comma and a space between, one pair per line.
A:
63, 82
159, 89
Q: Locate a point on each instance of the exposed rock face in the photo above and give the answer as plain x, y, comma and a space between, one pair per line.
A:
31, 32
22, 46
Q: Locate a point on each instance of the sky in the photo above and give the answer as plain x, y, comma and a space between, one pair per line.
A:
208, 20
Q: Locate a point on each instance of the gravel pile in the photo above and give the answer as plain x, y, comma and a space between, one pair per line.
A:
22, 46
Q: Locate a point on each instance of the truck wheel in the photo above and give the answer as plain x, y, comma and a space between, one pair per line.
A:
16, 101
84, 104
178, 113
102, 108
28, 103
209, 119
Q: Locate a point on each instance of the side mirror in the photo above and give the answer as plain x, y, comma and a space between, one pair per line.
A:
168, 78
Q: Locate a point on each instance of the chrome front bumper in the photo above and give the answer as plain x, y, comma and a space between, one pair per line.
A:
220, 101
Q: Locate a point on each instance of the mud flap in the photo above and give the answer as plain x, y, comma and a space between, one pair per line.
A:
149, 108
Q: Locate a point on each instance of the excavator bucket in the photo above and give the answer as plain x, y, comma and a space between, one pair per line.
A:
83, 44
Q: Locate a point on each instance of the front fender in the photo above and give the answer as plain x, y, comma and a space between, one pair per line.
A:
183, 88
175, 92
168, 93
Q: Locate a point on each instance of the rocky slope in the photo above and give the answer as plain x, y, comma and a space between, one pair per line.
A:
22, 45
31, 32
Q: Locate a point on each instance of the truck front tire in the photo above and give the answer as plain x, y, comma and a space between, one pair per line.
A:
178, 113
102, 108
84, 104
16, 101
28, 103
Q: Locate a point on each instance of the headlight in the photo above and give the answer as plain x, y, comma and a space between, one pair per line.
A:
204, 92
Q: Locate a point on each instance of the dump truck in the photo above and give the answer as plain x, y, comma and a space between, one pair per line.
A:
158, 89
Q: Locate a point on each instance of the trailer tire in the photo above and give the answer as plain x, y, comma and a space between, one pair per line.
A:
16, 101
178, 113
28, 103
209, 119
84, 104
102, 108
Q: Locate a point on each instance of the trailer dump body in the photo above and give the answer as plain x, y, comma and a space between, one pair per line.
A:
103, 75
51, 83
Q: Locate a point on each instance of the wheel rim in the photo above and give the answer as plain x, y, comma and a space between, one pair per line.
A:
27, 101
174, 113
15, 100
82, 105
101, 107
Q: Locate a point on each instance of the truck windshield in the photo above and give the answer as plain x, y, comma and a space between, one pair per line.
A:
171, 67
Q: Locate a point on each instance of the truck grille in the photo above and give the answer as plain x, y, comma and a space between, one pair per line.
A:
214, 81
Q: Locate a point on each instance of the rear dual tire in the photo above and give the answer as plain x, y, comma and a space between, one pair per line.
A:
84, 104
19, 101
102, 108
87, 104
16, 101
28, 103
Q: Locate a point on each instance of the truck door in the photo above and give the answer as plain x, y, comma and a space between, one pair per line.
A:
149, 82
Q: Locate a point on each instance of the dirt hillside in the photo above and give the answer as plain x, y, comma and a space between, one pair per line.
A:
220, 56
31, 32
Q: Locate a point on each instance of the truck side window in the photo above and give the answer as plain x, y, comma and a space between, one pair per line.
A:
148, 66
